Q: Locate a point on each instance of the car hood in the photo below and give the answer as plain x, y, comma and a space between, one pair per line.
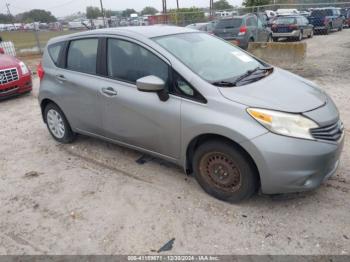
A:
281, 90
7, 61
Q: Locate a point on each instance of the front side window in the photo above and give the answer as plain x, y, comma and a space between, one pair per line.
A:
209, 57
82, 55
128, 61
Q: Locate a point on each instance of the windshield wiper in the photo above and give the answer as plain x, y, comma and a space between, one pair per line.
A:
225, 83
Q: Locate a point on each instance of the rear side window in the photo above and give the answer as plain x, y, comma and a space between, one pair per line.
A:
54, 52
251, 21
82, 55
128, 61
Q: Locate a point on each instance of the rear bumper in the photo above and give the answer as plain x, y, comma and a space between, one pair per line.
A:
23, 85
289, 165
294, 33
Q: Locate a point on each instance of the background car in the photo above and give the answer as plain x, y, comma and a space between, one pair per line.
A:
242, 30
326, 19
15, 77
291, 27
205, 27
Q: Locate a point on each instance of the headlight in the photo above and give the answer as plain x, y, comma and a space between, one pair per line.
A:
24, 68
294, 125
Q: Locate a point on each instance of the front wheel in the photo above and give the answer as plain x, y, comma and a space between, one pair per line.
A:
300, 37
57, 124
224, 172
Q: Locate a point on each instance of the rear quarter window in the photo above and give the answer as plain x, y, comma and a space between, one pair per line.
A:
54, 52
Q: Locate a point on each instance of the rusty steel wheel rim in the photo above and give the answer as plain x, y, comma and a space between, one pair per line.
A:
221, 171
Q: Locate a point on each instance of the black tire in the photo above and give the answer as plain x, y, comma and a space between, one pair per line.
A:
275, 39
68, 135
340, 28
311, 35
328, 30
300, 37
224, 171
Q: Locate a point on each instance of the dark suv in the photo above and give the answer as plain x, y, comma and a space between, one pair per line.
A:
326, 19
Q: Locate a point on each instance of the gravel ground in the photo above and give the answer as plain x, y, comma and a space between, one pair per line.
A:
91, 197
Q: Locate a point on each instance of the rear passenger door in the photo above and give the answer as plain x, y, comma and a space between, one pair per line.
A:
133, 117
79, 85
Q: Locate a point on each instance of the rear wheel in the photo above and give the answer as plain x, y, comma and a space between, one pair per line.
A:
300, 37
57, 124
341, 27
275, 39
224, 172
311, 35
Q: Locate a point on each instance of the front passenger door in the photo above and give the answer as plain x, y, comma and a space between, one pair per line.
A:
133, 117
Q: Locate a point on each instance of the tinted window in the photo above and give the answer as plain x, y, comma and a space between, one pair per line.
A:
321, 13
82, 55
229, 23
128, 61
285, 20
54, 51
251, 21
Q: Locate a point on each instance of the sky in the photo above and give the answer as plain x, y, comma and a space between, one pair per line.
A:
66, 7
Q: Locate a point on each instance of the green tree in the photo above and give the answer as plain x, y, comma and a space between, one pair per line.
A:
93, 12
186, 16
128, 12
149, 10
222, 5
37, 15
5, 19
248, 3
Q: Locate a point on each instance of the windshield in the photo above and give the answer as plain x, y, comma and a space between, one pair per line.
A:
209, 57
285, 20
229, 23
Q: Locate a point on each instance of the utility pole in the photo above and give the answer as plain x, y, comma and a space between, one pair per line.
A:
177, 4
211, 3
103, 14
9, 12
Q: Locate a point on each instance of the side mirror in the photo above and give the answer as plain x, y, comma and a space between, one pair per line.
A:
150, 84
153, 84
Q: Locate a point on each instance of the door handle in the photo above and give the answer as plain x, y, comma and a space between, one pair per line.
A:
109, 91
61, 78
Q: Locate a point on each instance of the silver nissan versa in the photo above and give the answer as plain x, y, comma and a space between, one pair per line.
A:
232, 120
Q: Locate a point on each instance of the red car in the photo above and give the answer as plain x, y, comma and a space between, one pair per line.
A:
15, 77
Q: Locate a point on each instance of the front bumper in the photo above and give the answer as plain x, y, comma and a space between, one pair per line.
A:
294, 33
289, 165
23, 85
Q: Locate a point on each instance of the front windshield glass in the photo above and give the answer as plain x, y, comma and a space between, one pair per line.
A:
209, 57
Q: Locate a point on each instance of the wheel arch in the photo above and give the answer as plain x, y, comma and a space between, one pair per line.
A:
203, 138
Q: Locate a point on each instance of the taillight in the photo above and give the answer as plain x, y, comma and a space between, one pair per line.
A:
242, 30
293, 27
40, 71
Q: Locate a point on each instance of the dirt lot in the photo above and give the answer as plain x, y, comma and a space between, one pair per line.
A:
91, 197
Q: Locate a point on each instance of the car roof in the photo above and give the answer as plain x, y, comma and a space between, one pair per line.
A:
130, 31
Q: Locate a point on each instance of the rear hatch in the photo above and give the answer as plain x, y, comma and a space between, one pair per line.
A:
284, 25
228, 28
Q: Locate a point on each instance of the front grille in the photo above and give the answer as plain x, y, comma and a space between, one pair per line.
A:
329, 133
8, 90
8, 75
